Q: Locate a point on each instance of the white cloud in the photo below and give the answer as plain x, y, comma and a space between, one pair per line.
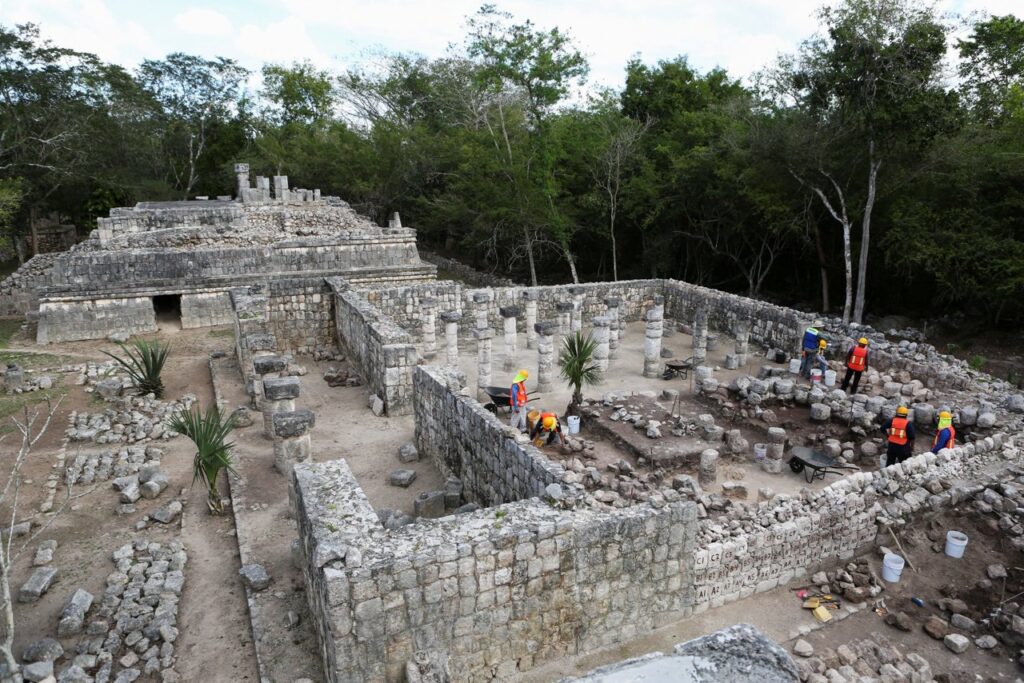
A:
200, 21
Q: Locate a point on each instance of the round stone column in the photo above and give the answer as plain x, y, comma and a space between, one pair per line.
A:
481, 310
564, 310
545, 354
601, 336
612, 304
652, 344
279, 394
700, 337
742, 342
530, 304
576, 315
508, 321
483, 362
291, 439
451, 336
707, 474
427, 321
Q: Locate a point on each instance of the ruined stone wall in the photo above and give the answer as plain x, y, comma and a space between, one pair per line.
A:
381, 351
250, 306
301, 314
459, 271
19, 291
497, 591
466, 441
771, 325
206, 309
74, 320
124, 221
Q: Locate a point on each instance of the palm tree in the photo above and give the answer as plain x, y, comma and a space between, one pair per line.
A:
213, 453
576, 361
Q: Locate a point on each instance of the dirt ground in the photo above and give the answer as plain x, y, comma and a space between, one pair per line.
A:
216, 645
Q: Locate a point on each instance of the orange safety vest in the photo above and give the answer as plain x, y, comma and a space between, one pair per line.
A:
898, 431
952, 437
522, 394
858, 358
540, 421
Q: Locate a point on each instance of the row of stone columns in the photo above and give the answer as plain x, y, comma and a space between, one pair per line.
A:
286, 426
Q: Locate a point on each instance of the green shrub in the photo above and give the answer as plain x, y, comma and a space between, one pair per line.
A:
977, 361
144, 361
576, 361
213, 451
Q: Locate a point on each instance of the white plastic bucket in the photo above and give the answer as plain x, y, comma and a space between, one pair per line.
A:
956, 541
760, 451
794, 366
830, 378
816, 376
574, 424
892, 567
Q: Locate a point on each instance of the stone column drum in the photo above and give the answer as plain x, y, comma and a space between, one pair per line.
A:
700, 337
242, 180
576, 315
707, 474
508, 321
264, 366
612, 304
451, 336
428, 316
480, 309
530, 305
291, 439
483, 362
742, 342
279, 394
652, 344
545, 354
776, 450
601, 336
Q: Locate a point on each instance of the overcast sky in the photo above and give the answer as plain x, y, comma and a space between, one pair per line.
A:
740, 35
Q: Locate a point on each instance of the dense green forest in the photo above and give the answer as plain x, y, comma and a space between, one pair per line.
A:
878, 168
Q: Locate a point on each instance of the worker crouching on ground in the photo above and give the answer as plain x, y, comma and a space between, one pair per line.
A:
856, 363
820, 361
809, 349
945, 436
548, 424
517, 401
900, 433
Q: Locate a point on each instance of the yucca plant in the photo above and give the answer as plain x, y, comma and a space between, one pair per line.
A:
578, 368
144, 361
209, 432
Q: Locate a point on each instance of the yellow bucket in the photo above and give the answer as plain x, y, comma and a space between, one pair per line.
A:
531, 419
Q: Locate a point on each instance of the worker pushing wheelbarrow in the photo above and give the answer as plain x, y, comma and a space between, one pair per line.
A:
513, 400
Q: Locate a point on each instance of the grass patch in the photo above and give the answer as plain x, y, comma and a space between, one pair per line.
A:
14, 404
34, 360
8, 328
223, 332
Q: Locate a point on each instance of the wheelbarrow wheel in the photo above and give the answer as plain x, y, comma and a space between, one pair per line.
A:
796, 465
491, 407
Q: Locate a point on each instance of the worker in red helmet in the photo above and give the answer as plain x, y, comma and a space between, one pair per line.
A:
899, 433
856, 363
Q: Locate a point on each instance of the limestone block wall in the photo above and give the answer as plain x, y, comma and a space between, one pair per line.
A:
205, 309
456, 270
250, 306
94, 319
466, 441
128, 220
495, 593
381, 351
301, 314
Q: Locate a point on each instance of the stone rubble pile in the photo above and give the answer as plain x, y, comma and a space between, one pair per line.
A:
131, 420
87, 468
877, 658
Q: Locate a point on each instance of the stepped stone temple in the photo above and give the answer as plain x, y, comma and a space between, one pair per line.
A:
182, 258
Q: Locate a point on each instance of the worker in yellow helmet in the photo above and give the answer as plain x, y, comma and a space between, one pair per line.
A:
819, 359
856, 363
548, 424
899, 432
517, 399
945, 435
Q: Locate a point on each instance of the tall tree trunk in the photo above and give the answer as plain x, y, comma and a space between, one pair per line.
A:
34, 230
848, 265
865, 236
822, 268
572, 264
528, 241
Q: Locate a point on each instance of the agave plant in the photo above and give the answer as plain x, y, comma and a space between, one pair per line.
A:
578, 368
209, 432
144, 361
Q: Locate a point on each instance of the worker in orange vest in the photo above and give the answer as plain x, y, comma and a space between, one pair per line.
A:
900, 434
856, 363
517, 399
548, 424
945, 435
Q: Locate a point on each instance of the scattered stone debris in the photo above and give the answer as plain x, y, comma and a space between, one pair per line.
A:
255, 576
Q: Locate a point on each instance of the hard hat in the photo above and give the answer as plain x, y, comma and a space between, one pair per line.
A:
945, 415
902, 410
863, 341
822, 343
549, 423
521, 375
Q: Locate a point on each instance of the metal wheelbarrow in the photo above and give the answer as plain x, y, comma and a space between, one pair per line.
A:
816, 464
